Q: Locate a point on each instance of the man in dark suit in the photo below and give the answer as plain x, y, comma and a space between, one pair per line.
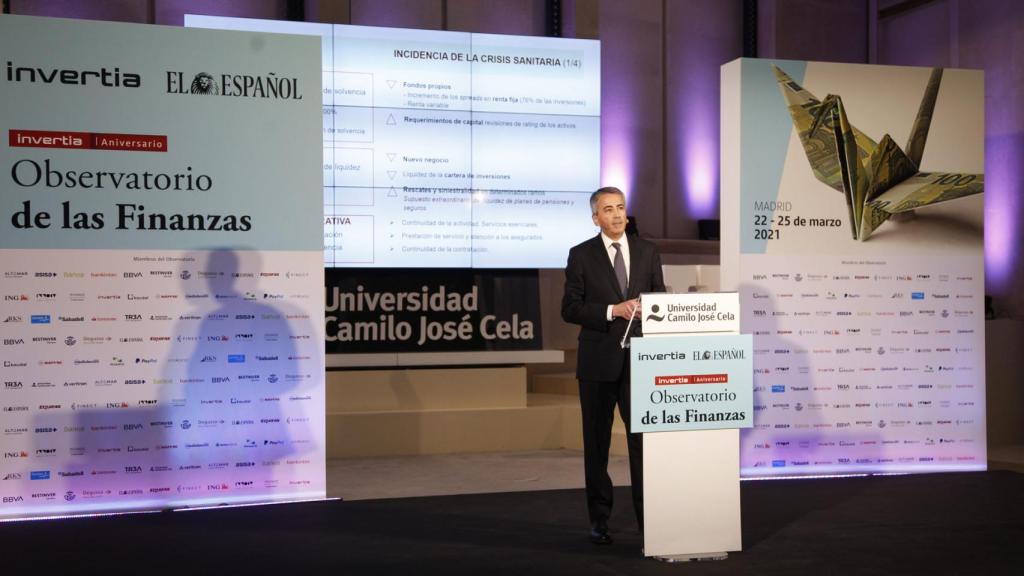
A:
603, 280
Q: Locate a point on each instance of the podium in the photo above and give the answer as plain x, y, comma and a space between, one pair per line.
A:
691, 392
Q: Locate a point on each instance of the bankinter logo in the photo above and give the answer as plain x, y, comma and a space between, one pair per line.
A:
101, 77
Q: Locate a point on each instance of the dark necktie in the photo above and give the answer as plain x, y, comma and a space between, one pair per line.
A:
620, 267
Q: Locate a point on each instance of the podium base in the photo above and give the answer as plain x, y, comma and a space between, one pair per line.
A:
702, 557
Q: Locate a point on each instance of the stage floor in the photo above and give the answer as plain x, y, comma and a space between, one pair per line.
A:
968, 523
450, 474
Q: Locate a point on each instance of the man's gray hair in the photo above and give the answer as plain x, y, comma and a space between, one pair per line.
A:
601, 192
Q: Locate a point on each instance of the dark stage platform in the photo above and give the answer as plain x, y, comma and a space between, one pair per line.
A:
970, 523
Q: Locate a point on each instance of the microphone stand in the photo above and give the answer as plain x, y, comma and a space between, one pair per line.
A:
632, 316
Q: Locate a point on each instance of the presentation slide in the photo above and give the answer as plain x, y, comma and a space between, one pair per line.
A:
451, 149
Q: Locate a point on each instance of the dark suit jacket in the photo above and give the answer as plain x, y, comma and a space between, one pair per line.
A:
590, 286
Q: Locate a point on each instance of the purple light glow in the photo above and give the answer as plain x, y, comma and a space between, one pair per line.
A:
699, 165
76, 516
252, 504
617, 166
1003, 191
427, 15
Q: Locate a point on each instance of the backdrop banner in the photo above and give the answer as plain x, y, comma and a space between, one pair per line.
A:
455, 310
852, 227
161, 268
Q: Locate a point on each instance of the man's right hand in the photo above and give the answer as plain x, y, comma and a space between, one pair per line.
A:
627, 309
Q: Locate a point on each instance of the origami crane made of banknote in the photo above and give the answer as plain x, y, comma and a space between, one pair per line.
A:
878, 179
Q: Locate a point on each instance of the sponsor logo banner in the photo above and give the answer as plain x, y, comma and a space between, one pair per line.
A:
697, 382
112, 293
377, 310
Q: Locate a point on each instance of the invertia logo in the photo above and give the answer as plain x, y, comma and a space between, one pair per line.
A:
71, 77
685, 379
